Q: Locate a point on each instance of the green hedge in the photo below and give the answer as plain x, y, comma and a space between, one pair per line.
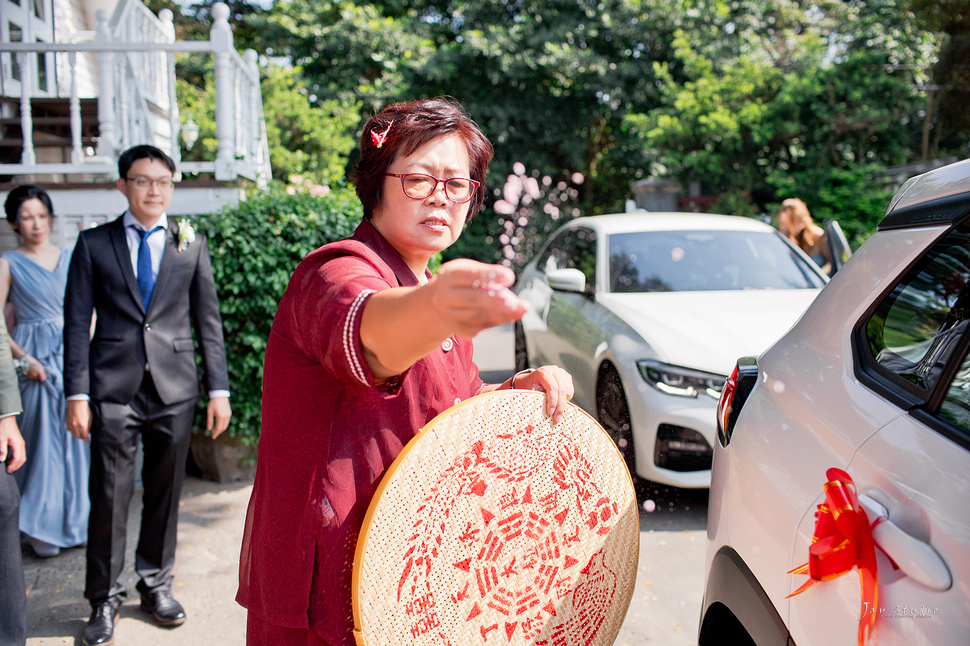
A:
255, 246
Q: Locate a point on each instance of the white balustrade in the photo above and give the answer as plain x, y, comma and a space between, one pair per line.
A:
26, 122
135, 54
76, 152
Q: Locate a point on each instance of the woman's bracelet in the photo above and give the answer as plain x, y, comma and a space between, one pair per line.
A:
527, 371
22, 365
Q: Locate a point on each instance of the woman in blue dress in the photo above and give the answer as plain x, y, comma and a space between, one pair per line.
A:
53, 483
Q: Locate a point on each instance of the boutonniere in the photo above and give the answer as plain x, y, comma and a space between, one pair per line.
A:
186, 234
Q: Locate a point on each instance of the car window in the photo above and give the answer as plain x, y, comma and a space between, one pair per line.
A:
679, 261
584, 254
956, 404
549, 259
571, 249
917, 329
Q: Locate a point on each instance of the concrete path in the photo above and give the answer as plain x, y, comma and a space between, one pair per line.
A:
210, 532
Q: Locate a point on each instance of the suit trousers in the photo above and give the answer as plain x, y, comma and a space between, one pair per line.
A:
13, 589
165, 432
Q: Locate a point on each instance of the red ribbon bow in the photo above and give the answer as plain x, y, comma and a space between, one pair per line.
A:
843, 540
380, 137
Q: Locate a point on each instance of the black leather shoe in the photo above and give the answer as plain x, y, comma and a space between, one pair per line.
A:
100, 630
163, 607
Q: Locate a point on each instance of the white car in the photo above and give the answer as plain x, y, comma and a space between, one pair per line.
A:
648, 312
873, 381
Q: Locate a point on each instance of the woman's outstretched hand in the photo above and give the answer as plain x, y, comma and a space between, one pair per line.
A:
470, 296
402, 325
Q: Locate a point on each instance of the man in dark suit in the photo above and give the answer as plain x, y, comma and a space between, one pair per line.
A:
13, 589
149, 284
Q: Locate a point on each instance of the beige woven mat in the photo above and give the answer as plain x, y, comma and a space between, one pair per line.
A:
495, 526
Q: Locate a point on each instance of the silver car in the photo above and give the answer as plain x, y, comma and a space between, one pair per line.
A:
869, 394
648, 312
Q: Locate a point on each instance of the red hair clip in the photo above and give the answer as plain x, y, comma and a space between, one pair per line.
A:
380, 137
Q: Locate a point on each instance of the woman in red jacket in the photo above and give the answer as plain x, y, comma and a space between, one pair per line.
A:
367, 347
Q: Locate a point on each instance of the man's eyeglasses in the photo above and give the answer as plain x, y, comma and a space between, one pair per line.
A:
419, 186
142, 183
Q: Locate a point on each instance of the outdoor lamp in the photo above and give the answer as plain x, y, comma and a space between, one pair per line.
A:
190, 133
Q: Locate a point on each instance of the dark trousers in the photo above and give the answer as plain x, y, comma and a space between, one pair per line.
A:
165, 432
13, 589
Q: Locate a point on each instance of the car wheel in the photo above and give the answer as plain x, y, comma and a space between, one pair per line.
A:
521, 353
614, 415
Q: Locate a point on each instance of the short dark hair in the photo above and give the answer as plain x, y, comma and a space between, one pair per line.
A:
144, 151
19, 195
402, 128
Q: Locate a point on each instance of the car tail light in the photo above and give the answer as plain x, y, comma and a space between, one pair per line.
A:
734, 394
724, 405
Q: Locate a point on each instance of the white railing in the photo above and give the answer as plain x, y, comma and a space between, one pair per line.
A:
136, 97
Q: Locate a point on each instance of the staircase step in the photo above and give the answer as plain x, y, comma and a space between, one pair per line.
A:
49, 116
50, 121
19, 143
55, 105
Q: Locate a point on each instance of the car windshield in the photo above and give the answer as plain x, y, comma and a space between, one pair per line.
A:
691, 261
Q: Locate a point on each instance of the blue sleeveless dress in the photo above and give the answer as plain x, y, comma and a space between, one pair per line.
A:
54, 503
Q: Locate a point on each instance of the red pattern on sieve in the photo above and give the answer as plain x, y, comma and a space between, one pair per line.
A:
517, 578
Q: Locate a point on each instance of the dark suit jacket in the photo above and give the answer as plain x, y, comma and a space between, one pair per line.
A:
110, 366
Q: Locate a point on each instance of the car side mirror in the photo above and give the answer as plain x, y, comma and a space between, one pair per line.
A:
567, 280
839, 250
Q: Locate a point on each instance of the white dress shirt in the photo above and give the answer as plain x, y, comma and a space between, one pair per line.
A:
156, 241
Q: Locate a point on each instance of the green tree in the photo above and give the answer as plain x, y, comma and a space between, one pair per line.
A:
948, 93
309, 138
354, 52
770, 101
551, 81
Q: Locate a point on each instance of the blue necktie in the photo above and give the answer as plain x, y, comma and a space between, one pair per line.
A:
146, 278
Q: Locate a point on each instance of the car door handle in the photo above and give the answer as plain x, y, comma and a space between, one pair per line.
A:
917, 560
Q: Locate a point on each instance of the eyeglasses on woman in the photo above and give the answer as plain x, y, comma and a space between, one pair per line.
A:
420, 186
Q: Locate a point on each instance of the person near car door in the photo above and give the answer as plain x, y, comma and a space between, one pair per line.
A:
795, 223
